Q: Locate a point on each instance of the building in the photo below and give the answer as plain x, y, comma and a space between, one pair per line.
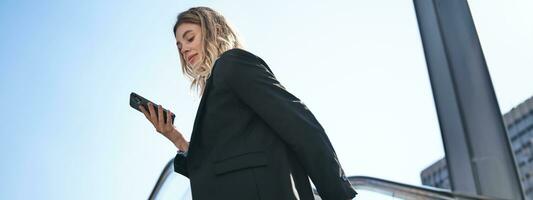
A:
436, 175
519, 124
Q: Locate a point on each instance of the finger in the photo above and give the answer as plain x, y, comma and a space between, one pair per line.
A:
169, 114
153, 117
144, 111
160, 116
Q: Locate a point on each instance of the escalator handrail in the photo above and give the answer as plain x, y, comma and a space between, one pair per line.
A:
407, 191
378, 185
169, 168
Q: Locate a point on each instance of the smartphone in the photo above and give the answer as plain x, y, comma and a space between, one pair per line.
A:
136, 100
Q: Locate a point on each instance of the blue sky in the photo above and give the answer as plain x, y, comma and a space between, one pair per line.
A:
67, 68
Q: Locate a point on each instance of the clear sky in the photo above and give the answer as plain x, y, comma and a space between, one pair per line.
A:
67, 69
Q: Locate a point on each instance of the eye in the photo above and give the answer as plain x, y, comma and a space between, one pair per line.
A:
190, 40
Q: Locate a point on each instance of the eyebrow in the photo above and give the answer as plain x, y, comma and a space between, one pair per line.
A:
178, 43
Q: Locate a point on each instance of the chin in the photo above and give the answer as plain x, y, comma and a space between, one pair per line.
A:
196, 63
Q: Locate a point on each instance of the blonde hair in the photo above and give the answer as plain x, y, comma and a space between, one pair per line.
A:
217, 37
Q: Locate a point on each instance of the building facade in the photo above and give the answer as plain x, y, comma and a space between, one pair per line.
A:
519, 124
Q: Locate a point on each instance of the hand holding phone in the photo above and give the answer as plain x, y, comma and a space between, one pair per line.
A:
137, 100
162, 120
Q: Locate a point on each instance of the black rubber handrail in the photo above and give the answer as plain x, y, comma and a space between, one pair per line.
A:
169, 168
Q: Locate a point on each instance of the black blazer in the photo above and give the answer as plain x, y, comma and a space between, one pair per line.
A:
252, 139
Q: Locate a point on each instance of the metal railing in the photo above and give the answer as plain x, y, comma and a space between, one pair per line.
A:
406, 191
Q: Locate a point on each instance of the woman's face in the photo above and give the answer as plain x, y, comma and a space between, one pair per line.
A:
189, 41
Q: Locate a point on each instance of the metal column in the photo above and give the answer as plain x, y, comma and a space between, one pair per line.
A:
478, 152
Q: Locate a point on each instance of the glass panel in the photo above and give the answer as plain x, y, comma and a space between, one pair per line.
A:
175, 187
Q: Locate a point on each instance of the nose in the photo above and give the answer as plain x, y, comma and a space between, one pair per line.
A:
184, 50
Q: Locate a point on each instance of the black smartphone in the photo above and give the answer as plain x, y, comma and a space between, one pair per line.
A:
136, 100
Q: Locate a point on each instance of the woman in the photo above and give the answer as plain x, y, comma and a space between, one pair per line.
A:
251, 139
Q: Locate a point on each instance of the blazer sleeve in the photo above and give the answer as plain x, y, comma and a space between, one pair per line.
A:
180, 163
253, 82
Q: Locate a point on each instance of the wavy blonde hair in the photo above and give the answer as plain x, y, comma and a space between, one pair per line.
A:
217, 37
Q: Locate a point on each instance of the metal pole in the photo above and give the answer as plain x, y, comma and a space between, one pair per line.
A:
478, 152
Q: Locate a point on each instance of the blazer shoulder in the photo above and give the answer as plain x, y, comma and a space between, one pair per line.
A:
236, 61
237, 52
238, 55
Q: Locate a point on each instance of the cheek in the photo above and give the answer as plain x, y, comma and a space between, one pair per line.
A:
198, 44
199, 48
202, 56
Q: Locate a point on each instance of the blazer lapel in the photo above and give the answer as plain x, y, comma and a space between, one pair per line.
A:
199, 114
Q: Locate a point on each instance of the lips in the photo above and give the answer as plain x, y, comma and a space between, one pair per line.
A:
191, 57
